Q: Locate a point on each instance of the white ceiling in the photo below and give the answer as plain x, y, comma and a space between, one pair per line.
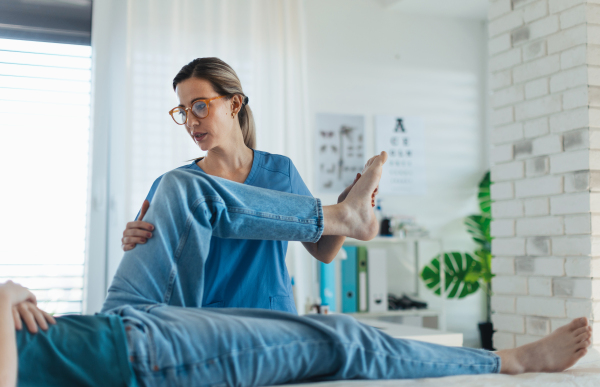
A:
470, 9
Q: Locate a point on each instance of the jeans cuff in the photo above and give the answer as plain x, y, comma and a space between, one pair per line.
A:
320, 220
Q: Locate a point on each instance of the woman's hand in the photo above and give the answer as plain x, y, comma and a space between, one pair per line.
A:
32, 315
137, 231
15, 293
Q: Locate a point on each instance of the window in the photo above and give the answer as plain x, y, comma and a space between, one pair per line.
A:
44, 129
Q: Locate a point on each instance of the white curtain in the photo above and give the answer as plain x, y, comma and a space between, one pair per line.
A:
138, 47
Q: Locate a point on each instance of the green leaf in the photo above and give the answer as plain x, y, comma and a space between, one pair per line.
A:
485, 200
479, 227
462, 275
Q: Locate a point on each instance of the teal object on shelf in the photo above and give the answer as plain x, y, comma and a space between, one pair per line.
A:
349, 278
328, 285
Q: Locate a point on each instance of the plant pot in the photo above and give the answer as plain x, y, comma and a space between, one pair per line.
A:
486, 331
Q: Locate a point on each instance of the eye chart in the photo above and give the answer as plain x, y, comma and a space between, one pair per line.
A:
403, 138
340, 151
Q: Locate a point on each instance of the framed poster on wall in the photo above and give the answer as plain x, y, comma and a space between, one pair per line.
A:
403, 138
340, 151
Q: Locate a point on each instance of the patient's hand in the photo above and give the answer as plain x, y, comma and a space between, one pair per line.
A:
137, 231
32, 316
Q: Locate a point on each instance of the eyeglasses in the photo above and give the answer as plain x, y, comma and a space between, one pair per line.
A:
199, 109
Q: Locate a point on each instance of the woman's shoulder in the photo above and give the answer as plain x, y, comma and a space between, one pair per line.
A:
274, 162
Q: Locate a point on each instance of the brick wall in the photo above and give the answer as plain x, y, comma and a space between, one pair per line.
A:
545, 115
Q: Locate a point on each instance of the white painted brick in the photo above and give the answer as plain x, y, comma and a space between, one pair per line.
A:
501, 116
546, 266
593, 13
537, 68
508, 246
578, 224
579, 308
537, 246
593, 32
503, 228
505, 60
507, 133
593, 76
577, 181
543, 27
556, 6
547, 145
537, 166
502, 153
575, 203
538, 107
594, 202
504, 340
537, 127
541, 186
540, 226
509, 285
505, 23
566, 79
595, 224
523, 149
594, 96
567, 39
593, 55
508, 96
535, 11
594, 115
576, 56
541, 306
572, 287
595, 181
534, 50
594, 139
556, 323
575, 98
539, 326
516, 4
499, 44
503, 304
498, 8
501, 191
570, 161
507, 209
594, 160
573, 17
500, 79
508, 171
571, 245
537, 88
576, 140
578, 266
521, 340
509, 323
540, 286
569, 120
503, 265
537, 207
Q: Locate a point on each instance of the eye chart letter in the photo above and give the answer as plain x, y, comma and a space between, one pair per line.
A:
340, 151
403, 138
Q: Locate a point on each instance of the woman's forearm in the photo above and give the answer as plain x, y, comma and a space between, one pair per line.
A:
326, 248
8, 345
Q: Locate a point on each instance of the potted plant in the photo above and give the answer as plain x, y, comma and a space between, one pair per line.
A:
467, 272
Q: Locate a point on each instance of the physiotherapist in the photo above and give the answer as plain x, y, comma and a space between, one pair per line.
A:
238, 273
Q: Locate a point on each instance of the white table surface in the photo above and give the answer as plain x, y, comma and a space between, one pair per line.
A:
428, 335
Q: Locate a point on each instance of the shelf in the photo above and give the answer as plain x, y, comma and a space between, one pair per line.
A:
405, 312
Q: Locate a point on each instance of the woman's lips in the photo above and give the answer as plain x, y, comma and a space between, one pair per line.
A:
199, 136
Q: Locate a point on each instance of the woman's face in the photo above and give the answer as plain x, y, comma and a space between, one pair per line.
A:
215, 129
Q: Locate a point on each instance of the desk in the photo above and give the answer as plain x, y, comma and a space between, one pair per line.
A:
427, 335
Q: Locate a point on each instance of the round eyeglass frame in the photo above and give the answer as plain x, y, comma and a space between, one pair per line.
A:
206, 101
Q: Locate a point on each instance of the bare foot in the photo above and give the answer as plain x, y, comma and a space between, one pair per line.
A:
554, 353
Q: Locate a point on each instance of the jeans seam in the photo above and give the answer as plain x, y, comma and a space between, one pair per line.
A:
320, 220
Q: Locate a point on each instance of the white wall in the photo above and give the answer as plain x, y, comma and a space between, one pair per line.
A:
364, 59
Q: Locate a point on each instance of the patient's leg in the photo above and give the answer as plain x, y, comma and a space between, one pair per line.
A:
190, 207
554, 353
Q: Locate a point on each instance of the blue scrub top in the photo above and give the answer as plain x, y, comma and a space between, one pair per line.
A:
243, 273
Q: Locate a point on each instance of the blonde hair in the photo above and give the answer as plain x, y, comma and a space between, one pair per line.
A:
225, 82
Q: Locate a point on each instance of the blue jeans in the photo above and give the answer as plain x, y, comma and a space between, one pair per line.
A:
170, 345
